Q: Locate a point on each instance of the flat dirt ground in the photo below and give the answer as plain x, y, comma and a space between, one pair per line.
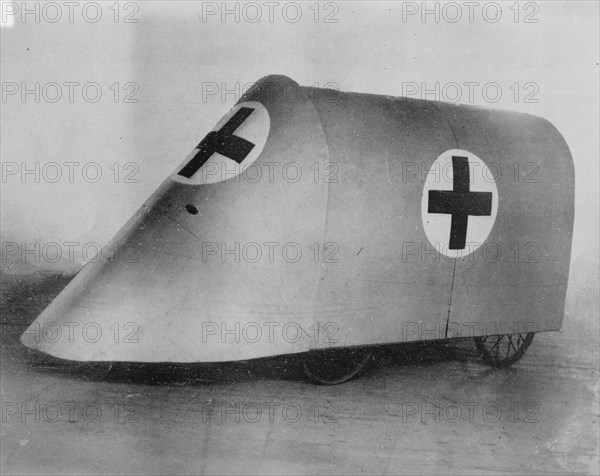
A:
426, 409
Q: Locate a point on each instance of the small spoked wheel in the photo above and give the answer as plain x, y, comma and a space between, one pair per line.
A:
503, 350
334, 366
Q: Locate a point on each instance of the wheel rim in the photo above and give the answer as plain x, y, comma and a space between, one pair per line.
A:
335, 366
504, 349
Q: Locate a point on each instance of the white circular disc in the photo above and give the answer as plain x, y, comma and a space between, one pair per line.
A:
458, 214
230, 147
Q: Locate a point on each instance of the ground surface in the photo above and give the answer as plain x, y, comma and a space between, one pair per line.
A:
420, 409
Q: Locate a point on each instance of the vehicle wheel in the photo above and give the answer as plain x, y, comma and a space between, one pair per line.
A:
334, 366
503, 350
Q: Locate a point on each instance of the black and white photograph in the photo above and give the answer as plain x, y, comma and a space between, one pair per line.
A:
300, 237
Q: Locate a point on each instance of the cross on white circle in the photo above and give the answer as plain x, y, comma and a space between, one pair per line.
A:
229, 148
459, 203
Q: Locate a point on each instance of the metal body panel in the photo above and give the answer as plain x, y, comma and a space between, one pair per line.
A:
377, 292
356, 215
517, 280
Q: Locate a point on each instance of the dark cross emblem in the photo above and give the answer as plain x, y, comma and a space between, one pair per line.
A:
460, 203
222, 141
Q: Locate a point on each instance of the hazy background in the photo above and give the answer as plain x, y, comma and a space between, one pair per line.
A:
176, 54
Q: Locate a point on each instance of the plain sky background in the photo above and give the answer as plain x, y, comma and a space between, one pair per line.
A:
174, 54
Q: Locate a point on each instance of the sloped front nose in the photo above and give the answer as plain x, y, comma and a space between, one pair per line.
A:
157, 298
120, 306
